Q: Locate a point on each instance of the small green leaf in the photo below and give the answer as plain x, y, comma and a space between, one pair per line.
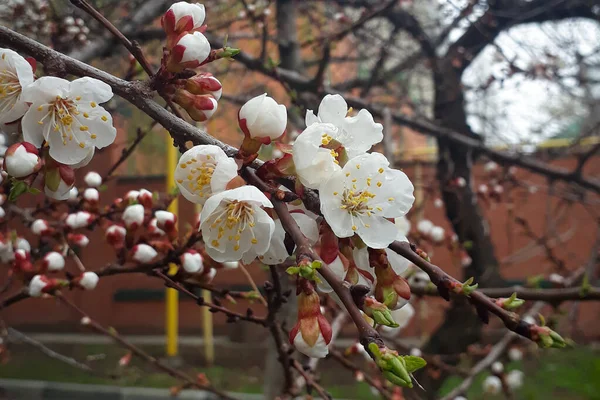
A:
34, 191
414, 363
18, 188
293, 270
542, 320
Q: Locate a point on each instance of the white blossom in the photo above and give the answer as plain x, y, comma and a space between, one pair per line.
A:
68, 117
54, 261
262, 118
437, 234
93, 179
424, 227
15, 75
133, 216
515, 354
497, 367
416, 352
317, 152
202, 171
492, 385
277, 253
514, 379
360, 197
234, 225
143, 253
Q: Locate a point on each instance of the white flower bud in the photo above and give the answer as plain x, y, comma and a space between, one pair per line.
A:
143, 253
437, 234
191, 261
92, 195
262, 118
22, 160
497, 368
492, 385
54, 261
133, 216
37, 284
514, 379
93, 179
89, 280
40, 227
424, 227
515, 354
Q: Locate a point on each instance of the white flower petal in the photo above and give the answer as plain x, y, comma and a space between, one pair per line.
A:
45, 90
333, 109
90, 89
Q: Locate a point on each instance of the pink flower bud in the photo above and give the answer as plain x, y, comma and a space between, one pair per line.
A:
182, 17
22, 261
115, 236
143, 254
199, 107
80, 219
40, 227
93, 179
53, 261
145, 198
78, 239
154, 230
87, 280
263, 119
91, 195
131, 196
21, 160
40, 284
133, 216
204, 83
191, 51
312, 333
22, 244
166, 220
191, 261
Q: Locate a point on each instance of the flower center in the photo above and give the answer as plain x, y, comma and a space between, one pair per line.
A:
61, 118
335, 148
199, 177
357, 202
235, 218
10, 89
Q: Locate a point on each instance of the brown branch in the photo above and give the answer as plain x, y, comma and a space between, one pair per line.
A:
337, 356
231, 315
139, 352
310, 382
304, 251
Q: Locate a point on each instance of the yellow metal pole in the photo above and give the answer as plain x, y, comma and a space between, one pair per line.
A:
171, 295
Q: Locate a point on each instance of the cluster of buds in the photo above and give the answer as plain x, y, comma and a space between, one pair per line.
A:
428, 231
394, 367
186, 49
70, 33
